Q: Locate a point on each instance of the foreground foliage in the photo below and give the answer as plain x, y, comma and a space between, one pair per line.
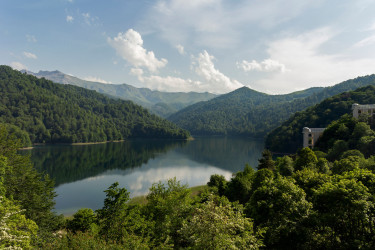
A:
309, 200
26, 198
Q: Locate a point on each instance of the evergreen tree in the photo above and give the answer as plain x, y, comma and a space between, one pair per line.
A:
266, 160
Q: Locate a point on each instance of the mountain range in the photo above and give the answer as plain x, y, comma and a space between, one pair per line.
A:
158, 102
287, 137
55, 113
243, 112
246, 112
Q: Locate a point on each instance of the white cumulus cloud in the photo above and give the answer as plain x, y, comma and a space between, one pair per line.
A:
69, 19
267, 65
30, 55
168, 83
212, 80
218, 82
95, 79
180, 49
172, 84
136, 72
309, 65
17, 66
129, 46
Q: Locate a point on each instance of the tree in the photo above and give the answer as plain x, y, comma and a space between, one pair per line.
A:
240, 185
83, 220
367, 145
114, 206
346, 164
346, 215
218, 182
16, 231
120, 222
167, 204
339, 147
280, 207
219, 224
285, 166
305, 158
310, 180
33, 191
266, 160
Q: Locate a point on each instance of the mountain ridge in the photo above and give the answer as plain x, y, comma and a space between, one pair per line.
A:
158, 102
55, 113
287, 137
247, 112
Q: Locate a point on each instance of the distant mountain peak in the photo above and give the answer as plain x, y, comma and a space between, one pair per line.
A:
145, 97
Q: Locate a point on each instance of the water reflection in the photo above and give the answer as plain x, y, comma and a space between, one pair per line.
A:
224, 152
67, 163
82, 173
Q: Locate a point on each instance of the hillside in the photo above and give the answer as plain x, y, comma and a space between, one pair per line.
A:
287, 138
251, 113
160, 103
55, 113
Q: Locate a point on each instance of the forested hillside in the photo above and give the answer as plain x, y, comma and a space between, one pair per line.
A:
251, 113
160, 103
288, 137
55, 113
309, 200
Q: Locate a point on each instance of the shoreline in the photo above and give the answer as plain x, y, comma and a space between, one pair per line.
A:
70, 144
90, 143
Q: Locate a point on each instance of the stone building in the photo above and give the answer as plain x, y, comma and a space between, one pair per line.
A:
311, 135
368, 109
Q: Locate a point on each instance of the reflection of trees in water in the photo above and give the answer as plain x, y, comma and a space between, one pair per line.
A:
67, 163
71, 163
229, 153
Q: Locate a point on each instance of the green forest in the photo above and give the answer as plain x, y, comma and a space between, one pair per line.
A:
287, 138
41, 111
313, 199
320, 198
158, 102
246, 112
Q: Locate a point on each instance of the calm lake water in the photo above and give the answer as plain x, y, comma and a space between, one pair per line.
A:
82, 173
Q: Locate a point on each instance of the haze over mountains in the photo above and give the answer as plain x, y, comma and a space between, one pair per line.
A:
244, 112
54, 113
287, 138
251, 113
160, 103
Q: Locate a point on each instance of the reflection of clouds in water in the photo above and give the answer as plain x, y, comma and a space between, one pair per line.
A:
140, 182
89, 192
192, 165
94, 178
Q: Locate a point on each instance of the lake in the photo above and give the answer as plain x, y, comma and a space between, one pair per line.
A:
83, 172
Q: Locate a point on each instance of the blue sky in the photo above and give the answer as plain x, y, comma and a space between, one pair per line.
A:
273, 46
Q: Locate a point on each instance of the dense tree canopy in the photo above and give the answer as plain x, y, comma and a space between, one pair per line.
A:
251, 113
158, 102
55, 113
313, 199
26, 196
287, 138
303, 201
